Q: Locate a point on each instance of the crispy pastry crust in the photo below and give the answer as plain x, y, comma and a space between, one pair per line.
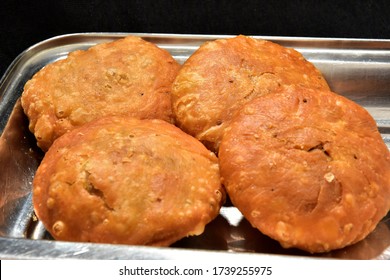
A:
224, 74
129, 181
307, 168
127, 76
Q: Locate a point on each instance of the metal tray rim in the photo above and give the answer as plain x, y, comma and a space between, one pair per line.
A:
50, 249
181, 36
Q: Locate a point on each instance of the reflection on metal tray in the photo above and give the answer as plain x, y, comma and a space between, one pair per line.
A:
357, 69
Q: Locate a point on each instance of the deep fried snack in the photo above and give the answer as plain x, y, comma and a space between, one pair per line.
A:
129, 181
127, 76
224, 74
307, 168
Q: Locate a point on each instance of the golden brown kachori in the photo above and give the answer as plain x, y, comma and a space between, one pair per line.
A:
128, 181
127, 76
222, 75
307, 168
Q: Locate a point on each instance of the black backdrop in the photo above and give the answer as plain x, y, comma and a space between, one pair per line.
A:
23, 23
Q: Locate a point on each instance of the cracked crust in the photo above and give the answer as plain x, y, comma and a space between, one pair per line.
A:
128, 181
224, 74
307, 168
127, 76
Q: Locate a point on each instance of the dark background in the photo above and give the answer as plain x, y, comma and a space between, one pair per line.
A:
24, 23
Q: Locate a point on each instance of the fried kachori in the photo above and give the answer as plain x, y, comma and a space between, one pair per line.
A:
127, 76
307, 168
121, 180
222, 75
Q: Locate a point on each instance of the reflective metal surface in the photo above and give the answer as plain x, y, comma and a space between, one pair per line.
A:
357, 69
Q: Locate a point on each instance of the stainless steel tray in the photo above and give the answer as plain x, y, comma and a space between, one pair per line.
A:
358, 69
